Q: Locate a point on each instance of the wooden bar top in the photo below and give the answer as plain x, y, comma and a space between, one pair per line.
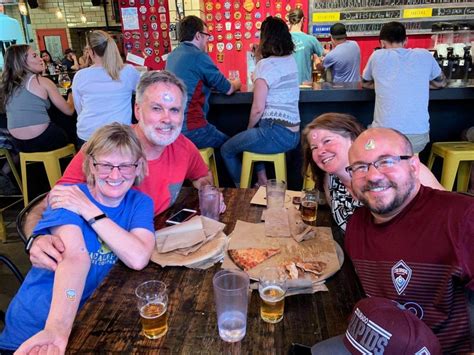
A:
109, 321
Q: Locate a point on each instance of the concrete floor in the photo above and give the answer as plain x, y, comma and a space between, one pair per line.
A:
14, 249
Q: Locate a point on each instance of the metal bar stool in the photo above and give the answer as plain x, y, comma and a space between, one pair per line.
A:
248, 159
11, 199
51, 164
457, 160
209, 158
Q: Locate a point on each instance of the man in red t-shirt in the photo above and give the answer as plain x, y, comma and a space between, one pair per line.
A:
171, 157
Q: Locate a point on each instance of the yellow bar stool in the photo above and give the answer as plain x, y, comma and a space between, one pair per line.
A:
51, 164
457, 159
248, 160
4, 153
209, 158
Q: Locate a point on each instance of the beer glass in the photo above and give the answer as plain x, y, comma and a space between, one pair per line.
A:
276, 191
152, 302
231, 292
64, 81
309, 206
272, 289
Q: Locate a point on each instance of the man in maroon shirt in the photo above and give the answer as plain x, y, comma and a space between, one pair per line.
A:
410, 243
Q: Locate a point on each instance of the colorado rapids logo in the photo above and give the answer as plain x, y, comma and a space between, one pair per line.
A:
401, 275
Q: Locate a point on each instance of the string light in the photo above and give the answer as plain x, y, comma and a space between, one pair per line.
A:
83, 16
59, 14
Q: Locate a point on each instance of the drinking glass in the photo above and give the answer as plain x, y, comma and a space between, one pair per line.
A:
64, 81
231, 292
272, 289
209, 201
276, 191
309, 206
152, 302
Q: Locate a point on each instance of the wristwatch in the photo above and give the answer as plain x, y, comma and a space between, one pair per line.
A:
30, 241
96, 218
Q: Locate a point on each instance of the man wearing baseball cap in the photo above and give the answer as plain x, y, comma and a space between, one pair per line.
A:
344, 60
70, 60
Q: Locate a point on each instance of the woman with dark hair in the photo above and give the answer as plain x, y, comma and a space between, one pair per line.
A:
274, 120
103, 92
306, 46
49, 64
26, 98
326, 142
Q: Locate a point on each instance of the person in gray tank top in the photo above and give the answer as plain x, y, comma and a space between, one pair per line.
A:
27, 96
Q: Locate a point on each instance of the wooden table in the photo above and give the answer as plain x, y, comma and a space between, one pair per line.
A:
109, 321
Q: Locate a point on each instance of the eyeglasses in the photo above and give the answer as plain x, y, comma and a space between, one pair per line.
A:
205, 33
106, 169
383, 165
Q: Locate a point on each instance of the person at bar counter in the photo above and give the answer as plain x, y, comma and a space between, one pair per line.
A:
27, 96
98, 222
171, 157
326, 143
190, 62
410, 243
103, 92
402, 78
344, 59
274, 121
70, 60
306, 46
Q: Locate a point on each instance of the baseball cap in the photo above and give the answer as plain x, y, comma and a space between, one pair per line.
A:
338, 31
380, 325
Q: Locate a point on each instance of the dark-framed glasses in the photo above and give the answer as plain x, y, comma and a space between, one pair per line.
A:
106, 168
383, 165
205, 33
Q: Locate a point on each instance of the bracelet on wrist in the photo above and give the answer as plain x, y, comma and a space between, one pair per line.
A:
96, 218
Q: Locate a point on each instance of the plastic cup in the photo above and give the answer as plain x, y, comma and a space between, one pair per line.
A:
210, 201
231, 290
276, 191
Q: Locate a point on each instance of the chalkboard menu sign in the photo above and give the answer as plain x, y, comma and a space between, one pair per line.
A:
366, 17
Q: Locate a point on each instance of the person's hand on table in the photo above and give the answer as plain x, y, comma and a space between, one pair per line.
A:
44, 342
46, 252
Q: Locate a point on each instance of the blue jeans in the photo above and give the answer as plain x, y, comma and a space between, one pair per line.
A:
207, 136
267, 138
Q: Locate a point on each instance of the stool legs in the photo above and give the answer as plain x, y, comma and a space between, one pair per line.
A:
280, 167
246, 173
464, 174
3, 229
209, 158
23, 179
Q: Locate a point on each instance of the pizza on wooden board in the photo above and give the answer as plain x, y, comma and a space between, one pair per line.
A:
248, 258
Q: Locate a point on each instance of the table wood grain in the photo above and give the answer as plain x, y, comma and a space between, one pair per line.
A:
109, 320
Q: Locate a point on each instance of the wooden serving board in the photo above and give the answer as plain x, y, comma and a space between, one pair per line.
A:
252, 235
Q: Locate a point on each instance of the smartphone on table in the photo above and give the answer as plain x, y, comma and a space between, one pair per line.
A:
181, 216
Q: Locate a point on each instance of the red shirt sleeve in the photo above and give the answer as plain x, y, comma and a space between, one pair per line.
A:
73, 173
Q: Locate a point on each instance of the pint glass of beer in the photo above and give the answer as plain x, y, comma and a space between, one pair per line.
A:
272, 289
152, 302
309, 206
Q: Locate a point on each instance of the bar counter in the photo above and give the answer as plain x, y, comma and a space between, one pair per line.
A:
451, 111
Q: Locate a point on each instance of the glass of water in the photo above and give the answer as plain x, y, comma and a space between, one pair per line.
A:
276, 191
231, 292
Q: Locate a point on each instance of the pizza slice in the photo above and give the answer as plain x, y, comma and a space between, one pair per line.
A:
314, 267
248, 258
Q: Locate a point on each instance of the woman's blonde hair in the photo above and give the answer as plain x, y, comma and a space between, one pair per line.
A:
104, 46
112, 138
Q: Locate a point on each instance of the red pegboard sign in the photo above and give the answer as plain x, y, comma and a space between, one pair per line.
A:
234, 26
145, 28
